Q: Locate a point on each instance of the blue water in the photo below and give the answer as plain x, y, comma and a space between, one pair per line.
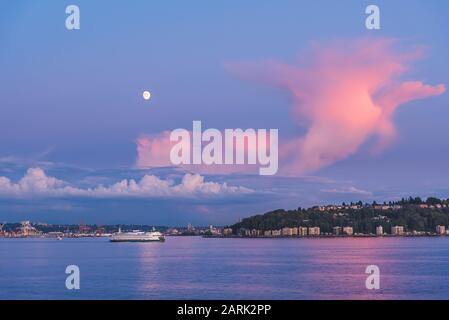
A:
197, 268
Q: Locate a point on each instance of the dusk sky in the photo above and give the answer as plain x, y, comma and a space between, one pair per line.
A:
362, 114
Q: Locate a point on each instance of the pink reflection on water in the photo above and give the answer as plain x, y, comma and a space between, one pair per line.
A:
197, 268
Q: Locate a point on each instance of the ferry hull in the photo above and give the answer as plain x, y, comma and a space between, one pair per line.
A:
138, 240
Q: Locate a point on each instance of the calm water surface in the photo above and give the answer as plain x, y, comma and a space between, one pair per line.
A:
197, 268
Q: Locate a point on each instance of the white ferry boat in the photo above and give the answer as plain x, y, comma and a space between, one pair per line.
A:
137, 236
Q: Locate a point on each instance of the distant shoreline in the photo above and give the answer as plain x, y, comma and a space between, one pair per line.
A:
325, 236
330, 236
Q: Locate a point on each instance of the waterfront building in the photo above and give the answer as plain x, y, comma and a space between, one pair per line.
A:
397, 230
173, 231
314, 231
214, 231
441, 230
302, 231
55, 234
83, 229
294, 231
227, 231
379, 231
337, 231
267, 233
287, 232
348, 231
276, 233
27, 230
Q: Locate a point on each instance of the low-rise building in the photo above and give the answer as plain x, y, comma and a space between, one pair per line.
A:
379, 231
314, 231
294, 231
214, 231
302, 231
348, 231
172, 231
226, 231
397, 230
441, 230
276, 233
287, 232
337, 231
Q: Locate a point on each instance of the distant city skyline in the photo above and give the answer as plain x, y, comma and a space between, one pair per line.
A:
361, 113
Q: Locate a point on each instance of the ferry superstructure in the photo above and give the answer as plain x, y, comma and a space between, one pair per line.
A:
137, 236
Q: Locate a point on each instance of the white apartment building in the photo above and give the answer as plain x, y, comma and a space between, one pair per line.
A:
397, 230
379, 231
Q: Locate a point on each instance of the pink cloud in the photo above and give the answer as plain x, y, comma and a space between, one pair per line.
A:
154, 151
343, 92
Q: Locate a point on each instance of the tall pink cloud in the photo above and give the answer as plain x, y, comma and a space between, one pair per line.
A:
343, 92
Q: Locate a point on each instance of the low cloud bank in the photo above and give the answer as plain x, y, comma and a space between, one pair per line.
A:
36, 183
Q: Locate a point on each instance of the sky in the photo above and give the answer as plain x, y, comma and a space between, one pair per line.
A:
361, 113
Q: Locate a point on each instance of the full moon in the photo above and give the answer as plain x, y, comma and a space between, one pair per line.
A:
146, 95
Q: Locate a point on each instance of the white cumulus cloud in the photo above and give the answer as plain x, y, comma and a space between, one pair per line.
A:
36, 183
